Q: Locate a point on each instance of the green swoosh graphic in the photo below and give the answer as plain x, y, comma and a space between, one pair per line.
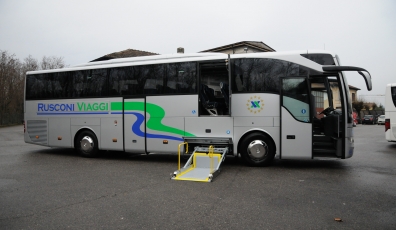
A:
152, 109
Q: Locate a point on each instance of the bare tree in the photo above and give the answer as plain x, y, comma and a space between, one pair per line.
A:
52, 62
9, 80
374, 106
358, 105
30, 64
12, 75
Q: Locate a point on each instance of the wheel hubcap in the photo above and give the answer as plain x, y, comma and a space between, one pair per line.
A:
257, 149
87, 144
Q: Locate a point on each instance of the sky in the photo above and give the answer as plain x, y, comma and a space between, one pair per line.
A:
361, 32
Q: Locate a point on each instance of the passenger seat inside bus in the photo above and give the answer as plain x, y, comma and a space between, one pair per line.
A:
225, 92
208, 101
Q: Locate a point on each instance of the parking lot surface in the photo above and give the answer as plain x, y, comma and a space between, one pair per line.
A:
52, 188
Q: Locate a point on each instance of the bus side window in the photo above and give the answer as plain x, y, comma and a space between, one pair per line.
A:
238, 82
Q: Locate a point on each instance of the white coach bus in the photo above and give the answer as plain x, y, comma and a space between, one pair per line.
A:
258, 105
390, 112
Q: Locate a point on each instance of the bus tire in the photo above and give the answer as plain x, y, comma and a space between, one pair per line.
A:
86, 144
257, 149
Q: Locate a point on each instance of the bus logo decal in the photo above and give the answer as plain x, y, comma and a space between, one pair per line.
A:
136, 129
154, 111
255, 104
72, 109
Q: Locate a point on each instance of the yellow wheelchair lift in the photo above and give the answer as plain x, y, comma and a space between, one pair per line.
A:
203, 164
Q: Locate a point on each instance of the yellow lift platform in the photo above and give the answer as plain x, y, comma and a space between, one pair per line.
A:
203, 164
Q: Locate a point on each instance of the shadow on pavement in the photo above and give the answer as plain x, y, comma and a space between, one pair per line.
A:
171, 158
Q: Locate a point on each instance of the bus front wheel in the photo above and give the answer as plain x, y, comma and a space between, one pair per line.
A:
86, 144
257, 149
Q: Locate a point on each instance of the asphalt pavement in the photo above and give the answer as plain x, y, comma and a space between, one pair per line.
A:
54, 188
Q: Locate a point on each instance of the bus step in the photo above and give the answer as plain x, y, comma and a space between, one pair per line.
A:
319, 152
320, 145
203, 164
321, 138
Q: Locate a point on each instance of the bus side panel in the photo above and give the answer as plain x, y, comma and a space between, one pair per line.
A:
255, 105
59, 132
165, 118
111, 130
390, 113
296, 137
173, 106
165, 142
256, 112
390, 134
36, 126
211, 126
134, 125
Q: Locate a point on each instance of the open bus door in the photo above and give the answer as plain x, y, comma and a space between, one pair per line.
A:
296, 124
345, 141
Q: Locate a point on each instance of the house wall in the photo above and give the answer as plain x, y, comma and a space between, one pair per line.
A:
353, 93
337, 97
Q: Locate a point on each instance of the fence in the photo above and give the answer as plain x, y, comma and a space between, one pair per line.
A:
11, 119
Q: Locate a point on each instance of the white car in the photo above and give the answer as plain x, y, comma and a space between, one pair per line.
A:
381, 120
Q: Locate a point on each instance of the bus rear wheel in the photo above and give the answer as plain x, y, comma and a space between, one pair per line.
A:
257, 150
86, 144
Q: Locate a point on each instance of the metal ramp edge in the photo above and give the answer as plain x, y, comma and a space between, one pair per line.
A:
202, 166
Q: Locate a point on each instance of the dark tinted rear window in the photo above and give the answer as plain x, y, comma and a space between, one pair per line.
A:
323, 59
393, 92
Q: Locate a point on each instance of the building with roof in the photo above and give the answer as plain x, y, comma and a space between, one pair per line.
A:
336, 94
242, 47
234, 48
124, 54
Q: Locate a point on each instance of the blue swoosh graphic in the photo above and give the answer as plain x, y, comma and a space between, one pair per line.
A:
136, 129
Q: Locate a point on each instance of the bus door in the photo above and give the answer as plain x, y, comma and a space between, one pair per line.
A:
134, 125
214, 101
296, 122
214, 88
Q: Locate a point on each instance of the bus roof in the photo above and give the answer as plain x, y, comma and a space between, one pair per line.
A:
292, 56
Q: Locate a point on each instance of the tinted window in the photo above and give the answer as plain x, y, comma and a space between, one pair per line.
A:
296, 98
126, 80
322, 59
174, 78
90, 83
35, 86
63, 85
393, 94
49, 85
154, 82
261, 75
181, 78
